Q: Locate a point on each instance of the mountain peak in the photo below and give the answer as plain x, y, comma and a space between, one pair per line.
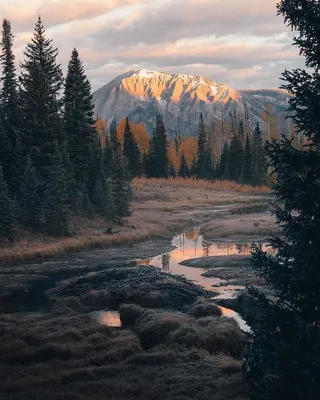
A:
141, 94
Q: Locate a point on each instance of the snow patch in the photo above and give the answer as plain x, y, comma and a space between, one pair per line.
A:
144, 73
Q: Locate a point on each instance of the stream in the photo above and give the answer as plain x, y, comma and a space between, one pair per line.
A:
190, 245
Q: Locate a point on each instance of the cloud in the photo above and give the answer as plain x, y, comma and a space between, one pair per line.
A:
239, 43
24, 13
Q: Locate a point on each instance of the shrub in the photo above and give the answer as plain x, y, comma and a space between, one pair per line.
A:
129, 313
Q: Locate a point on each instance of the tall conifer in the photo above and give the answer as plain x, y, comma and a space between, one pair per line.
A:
78, 116
204, 158
159, 159
284, 361
8, 221
131, 151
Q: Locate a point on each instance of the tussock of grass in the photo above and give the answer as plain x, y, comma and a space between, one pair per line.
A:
250, 209
204, 308
160, 206
63, 353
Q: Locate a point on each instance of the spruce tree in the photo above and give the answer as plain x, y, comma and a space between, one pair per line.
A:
8, 226
204, 158
172, 171
108, 157
193, 169
183, 170
78, 116
159, 159
18, 166
223, 161
122, 192
246, 169
6, 154
146, 163
41, 81
56, 208
131, 151
284, 361
235, 158
9, 101
259, 162
31, 210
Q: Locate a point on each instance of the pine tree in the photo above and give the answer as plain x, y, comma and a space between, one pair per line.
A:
122, 192
41, 81
146, 163
18, 166
204, 158
159, 159
131, 151
193, 169
183, 170
56, 209
7, 214
259, 163
108, 157
223, 161
73, 187
31, 210
6, 155
114, 137
9, 101
246, 169
235, 158
78, 116
284, 359
172, 171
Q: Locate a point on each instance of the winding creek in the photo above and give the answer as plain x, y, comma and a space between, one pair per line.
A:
191, 245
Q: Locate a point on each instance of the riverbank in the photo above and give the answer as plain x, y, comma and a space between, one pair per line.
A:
160, 207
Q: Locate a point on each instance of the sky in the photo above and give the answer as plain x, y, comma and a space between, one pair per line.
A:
241, 43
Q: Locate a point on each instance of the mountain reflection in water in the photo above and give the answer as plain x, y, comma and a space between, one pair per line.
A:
190, 245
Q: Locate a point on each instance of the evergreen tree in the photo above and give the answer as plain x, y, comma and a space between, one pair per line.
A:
146, 163
193, 169
204, 158
8, 212
122, 192
246, 169
108, 157
184, 170
72, 186
159, 159
6, 156
9, 101
56, 209
41, 81
131, 151
235, 158
115, 144
18, 167
223, 161
284, 359
259, 163
172, 171
78, 116
31, 210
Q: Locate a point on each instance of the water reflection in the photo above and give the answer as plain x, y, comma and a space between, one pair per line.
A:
108, 318
191, 245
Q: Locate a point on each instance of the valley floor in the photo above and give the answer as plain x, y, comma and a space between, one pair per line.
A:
160, 207
174, 342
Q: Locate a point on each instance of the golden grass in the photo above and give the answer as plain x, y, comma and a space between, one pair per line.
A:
160, 206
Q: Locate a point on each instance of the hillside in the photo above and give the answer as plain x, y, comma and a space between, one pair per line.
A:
141, 94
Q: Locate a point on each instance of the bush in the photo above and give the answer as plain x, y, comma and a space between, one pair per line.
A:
129, 313
204, 308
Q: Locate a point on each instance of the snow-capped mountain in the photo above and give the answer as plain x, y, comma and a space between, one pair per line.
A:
142, 94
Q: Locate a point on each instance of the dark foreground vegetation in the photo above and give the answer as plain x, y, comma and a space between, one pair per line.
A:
174, 342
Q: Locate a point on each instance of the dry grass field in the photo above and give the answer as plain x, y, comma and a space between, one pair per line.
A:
160, 207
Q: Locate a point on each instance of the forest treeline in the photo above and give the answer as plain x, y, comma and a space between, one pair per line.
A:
53, 164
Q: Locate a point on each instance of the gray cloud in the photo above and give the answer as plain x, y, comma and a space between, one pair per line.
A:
239, 43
